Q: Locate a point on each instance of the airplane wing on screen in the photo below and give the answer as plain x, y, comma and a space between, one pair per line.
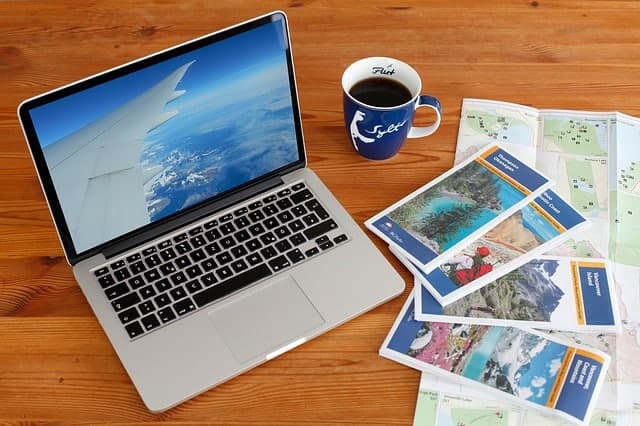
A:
97, 170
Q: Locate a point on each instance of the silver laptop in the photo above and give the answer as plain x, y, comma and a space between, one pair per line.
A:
179, 189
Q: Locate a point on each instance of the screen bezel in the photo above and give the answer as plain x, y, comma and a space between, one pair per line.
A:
45, 177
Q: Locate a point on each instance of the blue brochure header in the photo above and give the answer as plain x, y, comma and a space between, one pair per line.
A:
402, 238
595, 293
430, 305
564, 214
579, 384
517, 173
406, 331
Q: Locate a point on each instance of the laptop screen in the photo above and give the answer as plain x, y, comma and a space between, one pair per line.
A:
142, 143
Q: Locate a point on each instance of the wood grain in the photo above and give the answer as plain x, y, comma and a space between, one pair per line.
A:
57, 367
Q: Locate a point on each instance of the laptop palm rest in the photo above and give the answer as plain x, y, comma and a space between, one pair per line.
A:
266, 320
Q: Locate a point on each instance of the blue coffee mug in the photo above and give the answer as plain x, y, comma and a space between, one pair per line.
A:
377, 133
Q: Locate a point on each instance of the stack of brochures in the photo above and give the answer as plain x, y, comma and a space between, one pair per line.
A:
480, 242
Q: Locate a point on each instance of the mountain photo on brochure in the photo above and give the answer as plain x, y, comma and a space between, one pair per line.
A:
452, 208
548, 293
530, 231
521, 364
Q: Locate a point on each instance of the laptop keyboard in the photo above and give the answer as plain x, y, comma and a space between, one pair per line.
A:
161, 283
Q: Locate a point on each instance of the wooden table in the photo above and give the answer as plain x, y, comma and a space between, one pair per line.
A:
55, 362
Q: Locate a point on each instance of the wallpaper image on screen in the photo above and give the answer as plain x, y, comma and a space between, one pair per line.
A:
152, 143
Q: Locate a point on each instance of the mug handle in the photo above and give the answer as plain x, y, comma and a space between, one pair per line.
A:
433, 103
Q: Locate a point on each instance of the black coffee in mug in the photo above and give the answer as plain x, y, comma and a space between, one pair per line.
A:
380, 92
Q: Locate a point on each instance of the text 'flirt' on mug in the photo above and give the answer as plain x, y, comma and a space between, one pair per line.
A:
380, 97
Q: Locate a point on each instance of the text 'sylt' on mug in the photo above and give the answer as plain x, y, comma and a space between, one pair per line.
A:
380, 97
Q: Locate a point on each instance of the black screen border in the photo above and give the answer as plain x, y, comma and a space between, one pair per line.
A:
162, 225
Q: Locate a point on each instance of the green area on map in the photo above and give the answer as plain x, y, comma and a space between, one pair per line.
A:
574, 136
581, 185
426, 408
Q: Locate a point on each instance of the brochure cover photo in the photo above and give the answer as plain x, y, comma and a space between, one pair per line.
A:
522, 365
530, 231
548, 293
457, 206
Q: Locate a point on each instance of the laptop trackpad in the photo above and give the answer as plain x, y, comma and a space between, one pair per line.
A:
262, 322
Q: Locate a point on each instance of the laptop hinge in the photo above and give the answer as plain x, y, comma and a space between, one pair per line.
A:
135, 240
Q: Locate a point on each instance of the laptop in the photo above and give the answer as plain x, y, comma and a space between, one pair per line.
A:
179, 189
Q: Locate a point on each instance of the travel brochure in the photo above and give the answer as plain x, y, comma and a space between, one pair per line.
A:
514, 364
532, 230
444, 403
458, 206
548, 292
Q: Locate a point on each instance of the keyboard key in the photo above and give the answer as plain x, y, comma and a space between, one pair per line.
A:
320, 229
133, 257
271, 198
166, 314
180, 237
184, 306
312, 251
193, 271
310, 219
242, 222
212, 234
321, 212
295, 256
147, 292
164, 244
106, 280
256, 229
125, 301
282, 232
340, 238
268, 238
298, 186
242, 236
268, 252
284, 216
167, 268
227, 228
255, 205
322, 239
240, 211
116, 291
146, 307
195, 231
121, 274
224, 257
284, 192
326, 245
253, 245
208, 279
178, 278
229, 286
198, 241
150, 322
224, 272
101, 271
271, 223
208, 265
153, 260
182, 262
283, 245
256, 216
162, 300
136, 282
238, 251
128, 315
168, 254
117, 265
212, 249
279, 263
177, 293
296, 225
254, 259
148, 251
134, 329
270, 210
227, 217
301, 196
152, 275
183, 247
137, 267
193, 286
227, 242
298, 210
197, 255
239, 265
284, 203
163, 285
211, 224
297, 239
